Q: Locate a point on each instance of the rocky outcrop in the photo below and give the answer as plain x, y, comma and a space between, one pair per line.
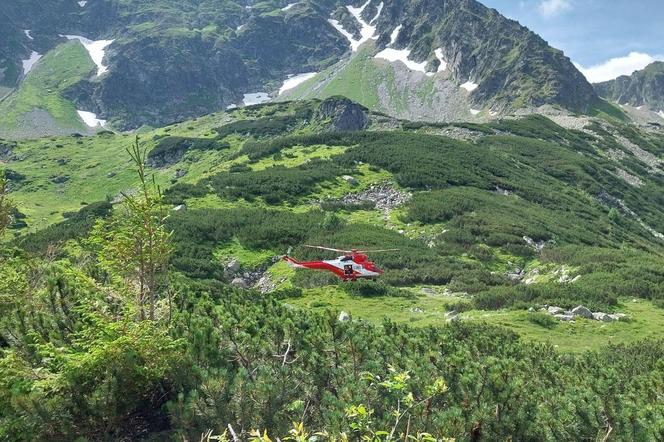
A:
384, 196
344, 115
581, 312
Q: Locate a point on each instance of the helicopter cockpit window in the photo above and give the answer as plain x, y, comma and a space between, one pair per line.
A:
347, 258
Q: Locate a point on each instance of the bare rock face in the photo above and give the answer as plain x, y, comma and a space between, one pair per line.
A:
345, 115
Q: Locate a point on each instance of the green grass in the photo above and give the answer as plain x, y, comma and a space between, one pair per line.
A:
58, 70
249, 259
647, 321
356, 80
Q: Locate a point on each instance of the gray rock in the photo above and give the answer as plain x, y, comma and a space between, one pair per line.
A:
60, 179
344, 317
416, 310
617, 316
239, 282
555, 310
110, 174
603, 317
350, 180
566, 318
583, 312
233, 266
180, 208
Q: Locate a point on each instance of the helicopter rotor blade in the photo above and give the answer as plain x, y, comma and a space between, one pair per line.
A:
378, 251
328, 248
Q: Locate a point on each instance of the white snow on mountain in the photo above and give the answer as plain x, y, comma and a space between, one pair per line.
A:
474, 111
82, 3
469, 86
401, 55
255, 98
288, 6
367, 30
395, 34
379, 9
29, 63
661, 114
439, 55
96, 49
295, 80
342, 31
27, 34
90, 119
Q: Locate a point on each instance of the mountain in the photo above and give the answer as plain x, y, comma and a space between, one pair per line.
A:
160, 62
642, 88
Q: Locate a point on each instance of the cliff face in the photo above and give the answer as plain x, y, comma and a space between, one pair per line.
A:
645, 87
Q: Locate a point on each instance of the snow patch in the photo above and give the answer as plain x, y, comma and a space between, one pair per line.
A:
239, 28
96, 49
439, 55
367, 30
469, 86
231, 107
401, 55
395, 34
289, 6
639, 107
30, 62
255, 98
295, 80
82, 3
27, 34
661, 114
474, 111
379, 9
90, 119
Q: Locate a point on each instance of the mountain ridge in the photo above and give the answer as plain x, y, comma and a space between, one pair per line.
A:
643, 87
203, 57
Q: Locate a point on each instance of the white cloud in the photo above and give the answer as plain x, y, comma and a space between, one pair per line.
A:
616, 67
551, 8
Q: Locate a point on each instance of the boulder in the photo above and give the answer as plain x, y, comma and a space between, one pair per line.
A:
239, 282
233, 266
350, 180
583, 312
180, 208
344, 317
617, 316
555, 310
566, 318
599, 316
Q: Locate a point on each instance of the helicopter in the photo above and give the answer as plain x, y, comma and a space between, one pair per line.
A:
354, 264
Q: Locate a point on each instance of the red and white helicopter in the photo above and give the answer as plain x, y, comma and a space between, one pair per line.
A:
352, 265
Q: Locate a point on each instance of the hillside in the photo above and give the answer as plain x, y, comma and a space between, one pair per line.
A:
470, 206
642, 88
166, 62
503, 229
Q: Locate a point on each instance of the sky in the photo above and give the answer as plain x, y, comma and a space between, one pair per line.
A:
604, 38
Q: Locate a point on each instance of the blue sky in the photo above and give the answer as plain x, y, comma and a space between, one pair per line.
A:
606, 38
